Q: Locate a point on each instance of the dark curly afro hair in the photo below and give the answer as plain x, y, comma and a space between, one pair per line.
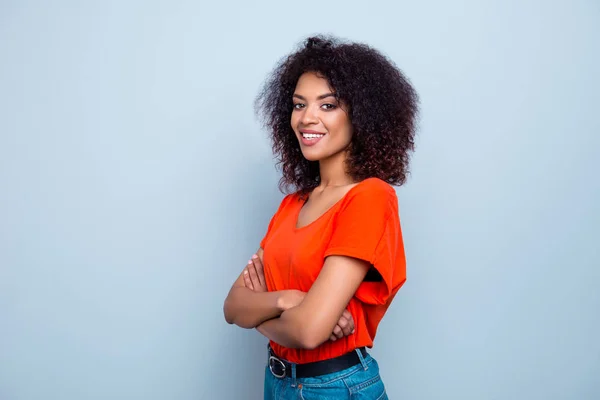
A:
381, 104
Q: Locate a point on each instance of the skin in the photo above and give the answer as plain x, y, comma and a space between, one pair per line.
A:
249, 303
254, 279
291, 318
317, 109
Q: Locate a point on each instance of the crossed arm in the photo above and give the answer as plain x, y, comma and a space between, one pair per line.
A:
292, 318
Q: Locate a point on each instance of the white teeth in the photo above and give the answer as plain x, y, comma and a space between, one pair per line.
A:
311, 135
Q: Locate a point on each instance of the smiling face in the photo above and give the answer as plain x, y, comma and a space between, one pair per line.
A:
320, 122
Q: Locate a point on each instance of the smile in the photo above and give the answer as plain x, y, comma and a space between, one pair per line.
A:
313, 135
311, 138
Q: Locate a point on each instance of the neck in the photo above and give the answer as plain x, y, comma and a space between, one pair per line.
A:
333, 171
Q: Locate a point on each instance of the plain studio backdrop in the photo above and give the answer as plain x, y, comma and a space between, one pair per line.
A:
136, 181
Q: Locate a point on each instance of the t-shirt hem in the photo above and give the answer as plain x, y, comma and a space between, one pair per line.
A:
375, 293
349, 252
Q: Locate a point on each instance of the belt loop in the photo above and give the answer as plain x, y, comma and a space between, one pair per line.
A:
293, 365
362, 359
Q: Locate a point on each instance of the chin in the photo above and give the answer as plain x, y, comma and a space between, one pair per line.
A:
312, 155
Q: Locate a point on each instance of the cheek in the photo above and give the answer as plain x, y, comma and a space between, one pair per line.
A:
342, 127
294, 120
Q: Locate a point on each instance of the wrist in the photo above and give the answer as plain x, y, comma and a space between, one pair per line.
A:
280, 301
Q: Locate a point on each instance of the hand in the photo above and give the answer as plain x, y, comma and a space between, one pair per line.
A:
344, 327
254, 275
254, 279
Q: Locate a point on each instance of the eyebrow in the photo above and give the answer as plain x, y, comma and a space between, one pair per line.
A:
321, 97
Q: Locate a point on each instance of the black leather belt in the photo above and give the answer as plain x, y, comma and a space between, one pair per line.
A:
281, 368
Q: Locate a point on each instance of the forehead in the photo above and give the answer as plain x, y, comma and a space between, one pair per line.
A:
312, 85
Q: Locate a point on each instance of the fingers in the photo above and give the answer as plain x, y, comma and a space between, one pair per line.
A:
259, 269
350, 328
253, 276
344, 327
247, 280
338, 331
334, 335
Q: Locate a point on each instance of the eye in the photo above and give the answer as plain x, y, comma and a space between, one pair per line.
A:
298, 106
328, 106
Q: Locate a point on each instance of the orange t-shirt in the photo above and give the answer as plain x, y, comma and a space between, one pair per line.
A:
364, 224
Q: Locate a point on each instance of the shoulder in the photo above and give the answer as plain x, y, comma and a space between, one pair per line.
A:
376, 185
372, 196
291, 198
288, 201
373, 189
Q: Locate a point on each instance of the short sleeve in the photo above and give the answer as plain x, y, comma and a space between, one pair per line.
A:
275, 219
367, 227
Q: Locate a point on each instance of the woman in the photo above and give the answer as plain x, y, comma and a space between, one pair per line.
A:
342, 119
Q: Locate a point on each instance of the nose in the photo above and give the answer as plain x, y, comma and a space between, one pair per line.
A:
309, 116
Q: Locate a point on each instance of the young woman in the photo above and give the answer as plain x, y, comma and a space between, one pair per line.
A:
342, 120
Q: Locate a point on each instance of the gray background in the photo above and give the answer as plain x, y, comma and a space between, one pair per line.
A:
135, 182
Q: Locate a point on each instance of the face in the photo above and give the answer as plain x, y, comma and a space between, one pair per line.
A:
320, 122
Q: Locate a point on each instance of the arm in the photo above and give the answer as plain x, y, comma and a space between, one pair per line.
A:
254, 279
310, 324
248, 308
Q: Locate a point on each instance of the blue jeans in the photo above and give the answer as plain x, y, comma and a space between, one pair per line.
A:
361, 381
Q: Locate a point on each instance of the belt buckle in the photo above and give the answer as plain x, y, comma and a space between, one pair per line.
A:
271, 360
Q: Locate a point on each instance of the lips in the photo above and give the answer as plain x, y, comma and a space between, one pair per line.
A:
310, 138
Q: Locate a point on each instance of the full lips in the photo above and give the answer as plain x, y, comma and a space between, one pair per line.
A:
311, 141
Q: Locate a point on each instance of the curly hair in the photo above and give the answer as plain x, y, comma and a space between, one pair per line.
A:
381, 103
